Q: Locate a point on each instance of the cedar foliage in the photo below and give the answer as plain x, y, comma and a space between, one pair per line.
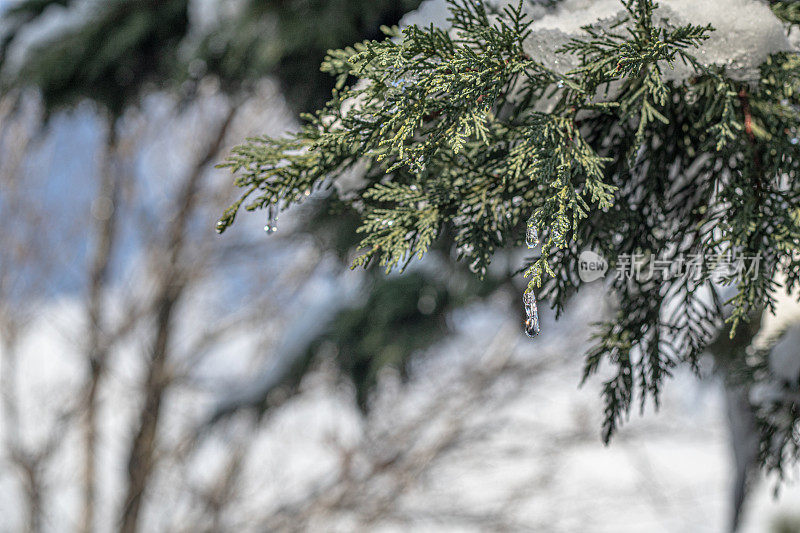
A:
464, 134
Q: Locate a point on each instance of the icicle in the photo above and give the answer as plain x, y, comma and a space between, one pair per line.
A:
272, 219
532, 311
532, 236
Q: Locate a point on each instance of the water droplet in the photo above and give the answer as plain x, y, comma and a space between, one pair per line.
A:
532, 236
560, 84
532, 328
475, 266
220, 226
272, 219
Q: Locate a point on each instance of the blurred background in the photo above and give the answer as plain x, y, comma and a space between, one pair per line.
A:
158, 377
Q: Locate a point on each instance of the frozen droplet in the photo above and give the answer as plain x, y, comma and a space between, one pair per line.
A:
532, 328
527, 300
220, 226
532, 236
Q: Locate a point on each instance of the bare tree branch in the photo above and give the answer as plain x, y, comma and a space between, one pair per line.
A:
106, 213
168, 295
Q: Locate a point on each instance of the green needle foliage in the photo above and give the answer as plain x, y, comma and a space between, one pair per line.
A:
20, 14
290, 37
390, 333
464, 133
124, 45
787, 11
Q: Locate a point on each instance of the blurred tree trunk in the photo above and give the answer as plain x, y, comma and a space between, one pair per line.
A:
26, 463
173, 279
23, 260
105, 214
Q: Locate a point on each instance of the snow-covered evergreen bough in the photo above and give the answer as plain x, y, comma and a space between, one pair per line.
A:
649, 133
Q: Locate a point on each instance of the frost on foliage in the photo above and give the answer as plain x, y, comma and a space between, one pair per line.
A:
746, 31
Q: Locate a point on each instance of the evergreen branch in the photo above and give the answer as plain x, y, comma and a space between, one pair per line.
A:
467, 131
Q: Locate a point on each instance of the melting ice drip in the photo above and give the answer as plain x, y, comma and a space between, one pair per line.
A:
528, 298
531, 309
532, 236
